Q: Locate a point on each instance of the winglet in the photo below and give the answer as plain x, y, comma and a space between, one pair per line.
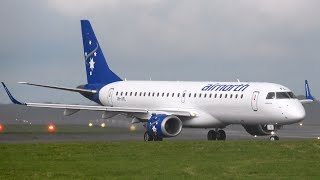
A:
308, 93
11, 97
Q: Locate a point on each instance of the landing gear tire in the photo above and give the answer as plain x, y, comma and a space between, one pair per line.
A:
147, 137
221, 135
212, 135
274, 138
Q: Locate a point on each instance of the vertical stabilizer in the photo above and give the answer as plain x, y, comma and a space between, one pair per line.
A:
98, 71
308, 93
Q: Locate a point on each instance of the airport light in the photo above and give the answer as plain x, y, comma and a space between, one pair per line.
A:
51, 128
318, 138
90, 124
1, 128
103, 125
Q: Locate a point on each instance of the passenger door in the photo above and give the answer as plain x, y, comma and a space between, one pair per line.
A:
254, 101
110, 96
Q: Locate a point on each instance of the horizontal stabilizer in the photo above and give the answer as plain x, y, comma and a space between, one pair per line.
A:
62, 88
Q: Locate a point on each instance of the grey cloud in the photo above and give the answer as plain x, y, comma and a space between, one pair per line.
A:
272, 40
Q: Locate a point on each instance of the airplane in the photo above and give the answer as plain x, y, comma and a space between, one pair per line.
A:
166, 107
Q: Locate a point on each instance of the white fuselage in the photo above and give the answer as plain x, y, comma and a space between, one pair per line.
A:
216, 104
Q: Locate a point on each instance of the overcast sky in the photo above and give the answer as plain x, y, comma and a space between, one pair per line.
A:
253, 40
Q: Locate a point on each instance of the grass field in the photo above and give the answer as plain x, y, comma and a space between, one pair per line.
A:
162, 160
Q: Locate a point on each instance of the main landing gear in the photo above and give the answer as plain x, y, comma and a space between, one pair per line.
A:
216, 135
148, 137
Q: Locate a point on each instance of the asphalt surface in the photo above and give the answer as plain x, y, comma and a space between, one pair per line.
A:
111, 134
17, 128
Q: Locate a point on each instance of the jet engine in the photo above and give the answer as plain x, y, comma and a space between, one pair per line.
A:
162, 125
260, 129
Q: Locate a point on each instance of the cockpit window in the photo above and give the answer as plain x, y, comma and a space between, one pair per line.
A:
292, 95
283, 95
271, 95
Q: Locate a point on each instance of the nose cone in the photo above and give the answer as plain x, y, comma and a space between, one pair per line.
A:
297, 113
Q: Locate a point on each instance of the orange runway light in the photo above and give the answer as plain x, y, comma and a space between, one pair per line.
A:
51, 128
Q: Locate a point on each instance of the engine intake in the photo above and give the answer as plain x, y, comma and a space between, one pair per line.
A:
162, 125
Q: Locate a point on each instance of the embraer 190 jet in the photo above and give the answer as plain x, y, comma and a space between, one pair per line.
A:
165, 107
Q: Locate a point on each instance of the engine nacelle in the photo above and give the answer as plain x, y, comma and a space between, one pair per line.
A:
162, 125
260, 129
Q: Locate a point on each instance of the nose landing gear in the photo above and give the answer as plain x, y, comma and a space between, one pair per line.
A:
274, 137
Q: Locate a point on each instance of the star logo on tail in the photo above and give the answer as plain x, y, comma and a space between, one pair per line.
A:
91, 64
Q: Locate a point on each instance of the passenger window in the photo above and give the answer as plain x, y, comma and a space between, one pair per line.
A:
152, 94
162, 94
130, 93
149, 94
205, 95
126, 93
215, 96
172, 94
210, 96
158, 94
117, 93
184, 94
144, 94
200, 95
220, 95
226, 96
231, 96
271, 95
135, 94
236, 96
178, 94
140, 93
195, 95
167, 94
189, 94
241, 96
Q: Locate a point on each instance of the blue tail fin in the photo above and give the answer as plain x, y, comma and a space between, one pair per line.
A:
98, 71
308, 93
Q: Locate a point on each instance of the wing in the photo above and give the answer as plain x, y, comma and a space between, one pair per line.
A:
74, 108
79, 90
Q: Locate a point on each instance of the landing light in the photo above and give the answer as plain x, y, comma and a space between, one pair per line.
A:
1, 128
51, 128
132, 128
103, 125
318, 138
301, 124
90, 124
